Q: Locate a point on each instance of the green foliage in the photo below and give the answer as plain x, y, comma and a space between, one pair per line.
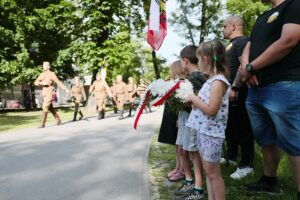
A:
123, 56
75, 36
197, 19
31, 32
146, 69
248, 9
105, 25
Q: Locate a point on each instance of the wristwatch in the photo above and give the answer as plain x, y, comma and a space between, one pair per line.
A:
250, 69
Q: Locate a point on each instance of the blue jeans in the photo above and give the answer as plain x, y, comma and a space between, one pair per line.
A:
274, 112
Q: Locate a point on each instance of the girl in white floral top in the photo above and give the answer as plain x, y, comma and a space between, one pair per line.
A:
210, 113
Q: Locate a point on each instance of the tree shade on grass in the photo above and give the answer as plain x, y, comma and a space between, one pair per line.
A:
17, 120
10, 121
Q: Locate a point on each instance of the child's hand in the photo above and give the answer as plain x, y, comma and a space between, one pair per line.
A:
190, 98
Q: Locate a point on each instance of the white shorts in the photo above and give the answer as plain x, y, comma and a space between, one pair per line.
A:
188, 136
179, 140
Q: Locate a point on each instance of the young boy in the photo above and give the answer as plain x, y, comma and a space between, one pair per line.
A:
190, 189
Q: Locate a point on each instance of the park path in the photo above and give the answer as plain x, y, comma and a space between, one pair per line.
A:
83, 160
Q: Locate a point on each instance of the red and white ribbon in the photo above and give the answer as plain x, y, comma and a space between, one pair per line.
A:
167, 95
141, 109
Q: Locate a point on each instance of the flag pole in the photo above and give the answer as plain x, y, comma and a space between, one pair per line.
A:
154, 60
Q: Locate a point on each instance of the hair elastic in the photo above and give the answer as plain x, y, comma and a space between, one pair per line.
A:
215, 58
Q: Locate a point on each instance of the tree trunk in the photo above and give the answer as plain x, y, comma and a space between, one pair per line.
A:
154, 60
12, 92
203, 21
188, 24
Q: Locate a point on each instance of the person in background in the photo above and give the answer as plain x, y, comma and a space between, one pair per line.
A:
27, 100
132, 91
238, 132
122, 95
114, 97
77, 91
47, 79
101, 90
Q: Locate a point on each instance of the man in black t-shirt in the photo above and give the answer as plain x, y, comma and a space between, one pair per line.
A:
271, 65
238, 131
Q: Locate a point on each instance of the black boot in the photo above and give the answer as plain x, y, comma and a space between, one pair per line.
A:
121, 114
99, 115
75, 115
130, 109
115, 110
102, 114
149, 108
81, 115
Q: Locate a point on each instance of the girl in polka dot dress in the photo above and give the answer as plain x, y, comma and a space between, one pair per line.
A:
210, 113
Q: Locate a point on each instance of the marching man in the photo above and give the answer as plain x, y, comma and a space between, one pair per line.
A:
47, 79
101, 89
122, 95
77, 92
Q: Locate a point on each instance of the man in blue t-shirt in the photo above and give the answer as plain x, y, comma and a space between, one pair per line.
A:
271, 66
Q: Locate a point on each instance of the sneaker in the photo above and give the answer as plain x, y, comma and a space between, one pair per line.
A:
231, 162
195, 195
185, 189
262, 187
241, 172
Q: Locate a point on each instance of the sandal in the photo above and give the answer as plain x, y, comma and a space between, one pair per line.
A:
178, 176
171, 173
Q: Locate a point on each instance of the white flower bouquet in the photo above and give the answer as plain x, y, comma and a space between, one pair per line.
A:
173, 91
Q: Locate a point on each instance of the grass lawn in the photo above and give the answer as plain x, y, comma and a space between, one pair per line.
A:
17, 120
162, 160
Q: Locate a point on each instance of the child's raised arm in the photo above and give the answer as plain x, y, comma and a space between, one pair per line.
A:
218, 90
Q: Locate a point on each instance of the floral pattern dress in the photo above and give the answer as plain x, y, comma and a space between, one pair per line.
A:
210, 129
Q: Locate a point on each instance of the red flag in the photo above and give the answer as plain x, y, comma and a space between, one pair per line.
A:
157, 32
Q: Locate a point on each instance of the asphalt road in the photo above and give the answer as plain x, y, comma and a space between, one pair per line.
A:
83, 160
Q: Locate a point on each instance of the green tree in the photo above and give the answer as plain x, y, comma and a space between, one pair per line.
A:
102, 24
197, 19
146, 69
61, 31
248, 9
75, 36
31, 32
